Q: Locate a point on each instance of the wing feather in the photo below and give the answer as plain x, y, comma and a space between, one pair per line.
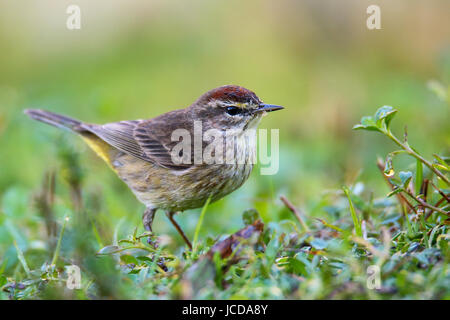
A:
120, 136
148, 140
154, 137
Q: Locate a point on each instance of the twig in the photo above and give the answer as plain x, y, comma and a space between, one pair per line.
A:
425, 204
438, 203
423, 192
441, 193
411, 152
424, 189
294, 210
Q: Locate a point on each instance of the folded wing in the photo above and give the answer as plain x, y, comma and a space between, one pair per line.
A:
148, 140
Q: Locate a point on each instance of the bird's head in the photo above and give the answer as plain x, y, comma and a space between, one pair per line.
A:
231, 107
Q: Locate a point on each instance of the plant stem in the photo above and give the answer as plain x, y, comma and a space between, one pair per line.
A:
296, 213
199, 224
425, 204
417, 156
58, 245
136, 246
445, 196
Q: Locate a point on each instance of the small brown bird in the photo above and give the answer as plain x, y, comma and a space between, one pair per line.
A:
140, 151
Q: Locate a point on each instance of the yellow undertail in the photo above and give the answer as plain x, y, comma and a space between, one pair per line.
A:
100, 147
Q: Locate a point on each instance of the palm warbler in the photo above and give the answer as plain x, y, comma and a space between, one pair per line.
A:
141, 151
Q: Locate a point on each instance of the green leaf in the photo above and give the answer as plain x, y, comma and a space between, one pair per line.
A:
145, 259
385, 113
405, 177
249, 216
134, 271
319, 244
298, 266
128, 259
395, 191
367, 123
3, 280
271, 252
442, 163
301, 264
22, 260
440, 167
272, 248
355, 219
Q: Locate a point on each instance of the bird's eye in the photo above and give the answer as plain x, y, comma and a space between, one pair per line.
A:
232, 111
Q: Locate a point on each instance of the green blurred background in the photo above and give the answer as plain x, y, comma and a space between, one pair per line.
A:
138, 59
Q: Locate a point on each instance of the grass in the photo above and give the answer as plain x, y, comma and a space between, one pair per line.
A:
404, 234
356, 223
199, 225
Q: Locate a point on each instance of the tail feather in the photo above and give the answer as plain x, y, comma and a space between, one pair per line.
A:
54, 119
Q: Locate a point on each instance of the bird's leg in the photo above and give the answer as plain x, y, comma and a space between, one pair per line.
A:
147, 220
180, 231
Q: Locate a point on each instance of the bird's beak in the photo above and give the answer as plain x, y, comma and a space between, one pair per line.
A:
267, 108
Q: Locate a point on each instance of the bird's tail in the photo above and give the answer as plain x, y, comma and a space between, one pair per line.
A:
54, 119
